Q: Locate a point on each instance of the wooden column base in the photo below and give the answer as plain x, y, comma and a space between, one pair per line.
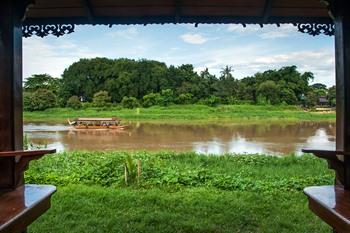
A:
20, 207
332, 205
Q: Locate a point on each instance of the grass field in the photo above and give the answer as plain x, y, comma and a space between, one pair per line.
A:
179, 192
185, 113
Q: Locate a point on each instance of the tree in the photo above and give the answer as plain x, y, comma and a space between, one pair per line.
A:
101, 99
226, 72
138, 78
311, 99
120, 77
227, 85
42, 81
268, 92
27, 101
287, 96
86, 77
40, 100
130, 102
151, 99
319, 86
331, 95
74, 102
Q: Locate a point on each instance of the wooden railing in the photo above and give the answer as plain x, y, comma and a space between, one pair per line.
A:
332, 203
21, 204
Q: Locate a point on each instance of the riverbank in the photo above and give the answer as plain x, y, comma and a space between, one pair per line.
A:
179, 192
186, 114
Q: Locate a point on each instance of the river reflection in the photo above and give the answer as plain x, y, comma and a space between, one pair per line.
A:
209, 139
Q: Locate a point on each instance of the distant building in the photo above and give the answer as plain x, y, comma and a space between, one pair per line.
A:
323, 101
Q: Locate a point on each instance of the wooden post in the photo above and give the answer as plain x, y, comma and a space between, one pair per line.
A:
11, 123
342, 58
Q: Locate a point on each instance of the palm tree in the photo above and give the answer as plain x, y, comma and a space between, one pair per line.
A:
226, 72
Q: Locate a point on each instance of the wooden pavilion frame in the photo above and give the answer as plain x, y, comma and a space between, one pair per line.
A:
20, 18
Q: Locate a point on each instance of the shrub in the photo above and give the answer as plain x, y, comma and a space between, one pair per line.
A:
231, 100
151, 99
268, 92
74, 102
101, 99
26, 101
212, 101
311, 99
129, 102
39, 100
167, 97
288, 97
186, 98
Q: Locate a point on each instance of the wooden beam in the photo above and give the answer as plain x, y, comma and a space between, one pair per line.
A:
89, 11
267, 10
342, 61
177, 4
11, 120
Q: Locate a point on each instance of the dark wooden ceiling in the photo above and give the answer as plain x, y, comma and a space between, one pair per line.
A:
176, 11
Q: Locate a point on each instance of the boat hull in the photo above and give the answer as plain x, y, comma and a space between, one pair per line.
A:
120, 127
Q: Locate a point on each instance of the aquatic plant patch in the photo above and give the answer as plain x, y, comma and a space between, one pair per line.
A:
255, 173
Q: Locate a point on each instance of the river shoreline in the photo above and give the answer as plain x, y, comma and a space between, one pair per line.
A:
187, 114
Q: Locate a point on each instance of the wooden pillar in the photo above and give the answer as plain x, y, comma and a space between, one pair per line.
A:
11, 120
342, 58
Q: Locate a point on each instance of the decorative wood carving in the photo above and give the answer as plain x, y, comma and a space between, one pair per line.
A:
58, 30
315, 29
44, 30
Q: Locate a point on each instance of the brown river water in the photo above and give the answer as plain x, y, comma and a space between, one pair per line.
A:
275, 139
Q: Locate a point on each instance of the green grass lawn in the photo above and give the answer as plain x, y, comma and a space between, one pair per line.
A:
185, 113
179, 192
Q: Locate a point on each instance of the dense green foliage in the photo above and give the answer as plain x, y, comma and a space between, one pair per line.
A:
187, 113
155, 83
101, 99
244, 173
129, 102
179, 192
151, 99
42, 81
40, 99
74, 102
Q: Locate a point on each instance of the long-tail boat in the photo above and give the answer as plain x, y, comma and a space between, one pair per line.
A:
97, 123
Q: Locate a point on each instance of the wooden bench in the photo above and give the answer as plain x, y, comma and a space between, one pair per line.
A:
331, 203
21, 204
20, 207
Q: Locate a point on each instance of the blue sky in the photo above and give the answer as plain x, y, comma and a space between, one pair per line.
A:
248, 50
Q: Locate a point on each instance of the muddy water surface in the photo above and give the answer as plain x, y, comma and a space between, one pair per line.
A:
210, 138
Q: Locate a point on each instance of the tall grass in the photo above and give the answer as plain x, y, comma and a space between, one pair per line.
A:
185, 113
179, 192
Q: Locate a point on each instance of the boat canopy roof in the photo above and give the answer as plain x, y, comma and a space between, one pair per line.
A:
96, 119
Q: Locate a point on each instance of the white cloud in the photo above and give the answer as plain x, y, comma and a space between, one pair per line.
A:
265, 32
273, 32
42, 56
238, 28
250, 59
194, 38
125, 33
320, 62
